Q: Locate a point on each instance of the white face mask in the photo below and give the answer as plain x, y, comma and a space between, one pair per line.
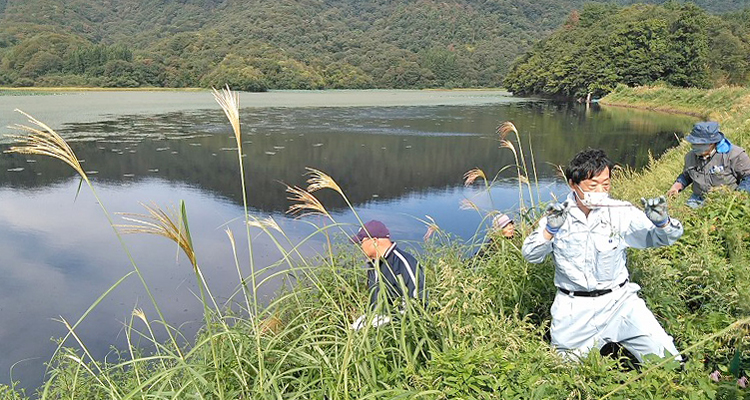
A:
594, 199
709, 155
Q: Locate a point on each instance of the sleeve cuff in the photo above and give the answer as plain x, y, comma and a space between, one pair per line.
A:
681, 179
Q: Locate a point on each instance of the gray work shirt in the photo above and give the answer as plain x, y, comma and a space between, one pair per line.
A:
721, 169
590, 252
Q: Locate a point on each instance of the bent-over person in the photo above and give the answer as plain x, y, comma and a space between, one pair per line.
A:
389, 268
713, 162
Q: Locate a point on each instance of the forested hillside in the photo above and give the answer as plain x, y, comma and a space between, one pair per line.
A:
606, 45
261, 44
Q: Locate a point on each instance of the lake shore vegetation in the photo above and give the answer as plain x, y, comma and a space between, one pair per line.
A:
484, 333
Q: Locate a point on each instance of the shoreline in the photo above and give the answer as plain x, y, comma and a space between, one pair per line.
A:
656, 109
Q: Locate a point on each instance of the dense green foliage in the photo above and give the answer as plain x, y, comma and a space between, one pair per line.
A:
484, 333
605, 45
291, 44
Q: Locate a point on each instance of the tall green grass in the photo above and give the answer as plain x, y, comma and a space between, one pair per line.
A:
484, 334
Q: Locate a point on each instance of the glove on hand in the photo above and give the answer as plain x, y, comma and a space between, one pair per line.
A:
656, 210
377, 321
555, 217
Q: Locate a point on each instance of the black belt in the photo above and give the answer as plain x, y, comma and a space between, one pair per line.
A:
593, 293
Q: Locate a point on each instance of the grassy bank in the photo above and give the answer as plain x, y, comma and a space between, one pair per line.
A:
701, 284
484, 333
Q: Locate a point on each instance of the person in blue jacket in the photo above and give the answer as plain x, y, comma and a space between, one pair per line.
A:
713, 161
392, 273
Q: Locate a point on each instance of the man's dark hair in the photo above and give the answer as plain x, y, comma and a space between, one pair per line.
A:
587, 164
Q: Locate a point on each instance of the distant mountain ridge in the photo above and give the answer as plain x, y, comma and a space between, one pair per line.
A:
259, 44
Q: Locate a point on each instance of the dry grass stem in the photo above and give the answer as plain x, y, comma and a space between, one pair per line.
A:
138, 313
467, 204
505, 128
430, 231
472, 175
158, 222
265, 224
44, 142
308, 204
320, 180
230, 103
507, 144
432, 227
561, 172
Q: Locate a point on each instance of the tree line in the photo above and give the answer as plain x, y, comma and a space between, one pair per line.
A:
602, 46
293, 44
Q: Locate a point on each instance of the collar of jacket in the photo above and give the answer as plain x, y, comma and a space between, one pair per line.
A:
724, 146
387, 252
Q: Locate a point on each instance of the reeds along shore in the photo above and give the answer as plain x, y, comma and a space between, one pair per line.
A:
484, 334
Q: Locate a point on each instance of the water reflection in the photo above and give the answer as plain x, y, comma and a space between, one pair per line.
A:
372, 152
396, 164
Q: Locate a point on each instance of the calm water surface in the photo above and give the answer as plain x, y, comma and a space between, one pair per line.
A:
399, 156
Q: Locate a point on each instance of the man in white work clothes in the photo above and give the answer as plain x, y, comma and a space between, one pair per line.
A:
588, 235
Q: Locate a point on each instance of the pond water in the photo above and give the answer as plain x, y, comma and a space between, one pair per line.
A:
399, 156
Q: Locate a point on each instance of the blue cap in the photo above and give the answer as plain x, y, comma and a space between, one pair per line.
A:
705, 133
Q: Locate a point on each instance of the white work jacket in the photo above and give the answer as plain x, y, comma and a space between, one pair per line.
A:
589, 253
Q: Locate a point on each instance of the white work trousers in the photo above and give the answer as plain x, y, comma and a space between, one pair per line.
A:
582, 323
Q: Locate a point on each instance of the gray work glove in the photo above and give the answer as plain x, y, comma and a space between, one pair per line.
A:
656, 210
555, 217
